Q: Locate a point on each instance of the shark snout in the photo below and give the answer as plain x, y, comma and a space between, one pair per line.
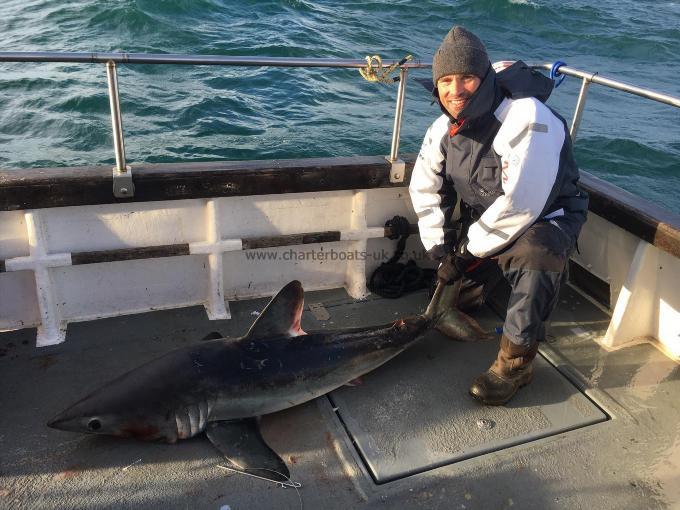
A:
63, 422
75, 422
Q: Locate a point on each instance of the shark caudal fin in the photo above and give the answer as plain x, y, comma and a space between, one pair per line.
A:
281, 317
444, 297
449, 320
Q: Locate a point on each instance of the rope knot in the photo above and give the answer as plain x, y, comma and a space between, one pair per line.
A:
374, 70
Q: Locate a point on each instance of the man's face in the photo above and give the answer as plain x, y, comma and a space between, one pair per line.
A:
455, 91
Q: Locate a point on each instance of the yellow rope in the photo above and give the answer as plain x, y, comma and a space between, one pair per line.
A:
374, 70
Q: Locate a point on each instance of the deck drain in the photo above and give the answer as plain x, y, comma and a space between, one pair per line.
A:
485, 424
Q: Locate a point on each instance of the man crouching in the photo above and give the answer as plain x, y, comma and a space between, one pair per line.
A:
509, 158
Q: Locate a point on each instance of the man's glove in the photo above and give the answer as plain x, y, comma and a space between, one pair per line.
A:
455, 264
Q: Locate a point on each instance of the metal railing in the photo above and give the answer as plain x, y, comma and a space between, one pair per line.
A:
588, 78
122, 174
123, 186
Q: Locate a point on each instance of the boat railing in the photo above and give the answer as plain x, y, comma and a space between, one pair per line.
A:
587, 78
122, 174
123, 186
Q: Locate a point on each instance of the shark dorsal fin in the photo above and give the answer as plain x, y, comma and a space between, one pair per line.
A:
281, 317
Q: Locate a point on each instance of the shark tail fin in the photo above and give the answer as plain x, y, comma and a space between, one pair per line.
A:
444, 297
449, 320
281, 317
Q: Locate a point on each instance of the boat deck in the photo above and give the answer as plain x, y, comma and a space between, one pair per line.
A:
596, 429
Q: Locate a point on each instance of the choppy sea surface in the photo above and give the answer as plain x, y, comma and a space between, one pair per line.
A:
58, 114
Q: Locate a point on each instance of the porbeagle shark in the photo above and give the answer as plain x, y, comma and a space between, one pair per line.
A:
221, 386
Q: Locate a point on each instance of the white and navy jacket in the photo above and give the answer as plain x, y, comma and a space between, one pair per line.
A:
511, 162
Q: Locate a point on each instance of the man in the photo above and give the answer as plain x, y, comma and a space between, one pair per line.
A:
509, 159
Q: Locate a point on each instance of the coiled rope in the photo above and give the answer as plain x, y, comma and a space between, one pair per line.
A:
374, 70
394, 279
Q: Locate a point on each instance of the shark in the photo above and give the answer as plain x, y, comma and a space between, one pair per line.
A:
219, 387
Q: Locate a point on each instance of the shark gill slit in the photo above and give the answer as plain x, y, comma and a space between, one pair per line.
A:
192, 419
203, 411
182, 431
194, 412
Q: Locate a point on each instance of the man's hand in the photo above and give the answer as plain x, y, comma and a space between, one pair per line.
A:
455, 264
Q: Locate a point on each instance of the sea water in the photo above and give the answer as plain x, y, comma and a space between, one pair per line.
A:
58, 114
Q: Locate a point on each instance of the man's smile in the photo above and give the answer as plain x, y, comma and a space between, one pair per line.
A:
456, 90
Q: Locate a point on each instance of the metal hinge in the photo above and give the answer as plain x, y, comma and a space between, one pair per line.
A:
123, 187
397, 171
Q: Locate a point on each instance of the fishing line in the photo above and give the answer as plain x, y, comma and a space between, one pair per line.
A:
283, 485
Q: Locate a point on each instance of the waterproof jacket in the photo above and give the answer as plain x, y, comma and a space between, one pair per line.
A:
510, 161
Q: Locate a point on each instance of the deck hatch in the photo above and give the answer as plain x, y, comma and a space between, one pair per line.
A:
414, 414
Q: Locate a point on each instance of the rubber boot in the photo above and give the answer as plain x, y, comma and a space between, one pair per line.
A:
511, 370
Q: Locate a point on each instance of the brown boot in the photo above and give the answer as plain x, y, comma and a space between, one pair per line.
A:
511, 370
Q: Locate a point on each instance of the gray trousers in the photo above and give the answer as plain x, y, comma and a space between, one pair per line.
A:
523, 280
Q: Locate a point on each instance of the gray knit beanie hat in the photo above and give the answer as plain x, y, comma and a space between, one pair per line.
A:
461, 52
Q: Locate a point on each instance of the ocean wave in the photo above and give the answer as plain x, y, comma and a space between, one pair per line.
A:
83, 103
524, 2
624, 156
640, 168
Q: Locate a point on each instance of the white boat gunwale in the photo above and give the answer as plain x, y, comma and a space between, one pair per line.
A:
24, 189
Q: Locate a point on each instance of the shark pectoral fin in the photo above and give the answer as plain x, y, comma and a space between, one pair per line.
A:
242, 444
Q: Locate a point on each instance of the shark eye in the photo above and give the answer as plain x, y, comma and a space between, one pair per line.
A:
94, 424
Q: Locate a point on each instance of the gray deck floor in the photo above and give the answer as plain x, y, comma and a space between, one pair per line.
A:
629, 461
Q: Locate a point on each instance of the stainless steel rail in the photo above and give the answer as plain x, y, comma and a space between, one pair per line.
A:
589, 78
123, 186
111, 59
398, 166
216, 60
614, 84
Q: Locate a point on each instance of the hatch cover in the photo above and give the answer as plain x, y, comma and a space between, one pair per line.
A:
414, 414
